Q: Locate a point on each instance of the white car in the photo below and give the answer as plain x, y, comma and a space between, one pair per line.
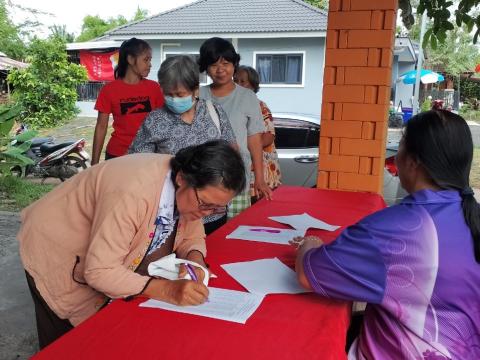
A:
297, 138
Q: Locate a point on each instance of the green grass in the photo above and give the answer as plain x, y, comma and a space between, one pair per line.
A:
15, 193
471, 115
475, 171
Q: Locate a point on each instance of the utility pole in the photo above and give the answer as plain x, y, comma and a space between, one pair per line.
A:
416, 93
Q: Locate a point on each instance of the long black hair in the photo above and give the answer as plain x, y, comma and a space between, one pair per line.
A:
212, 163
133, 47
442, 142
214, 49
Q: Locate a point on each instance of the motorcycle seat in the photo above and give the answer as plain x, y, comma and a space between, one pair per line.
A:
49, 148
39, 141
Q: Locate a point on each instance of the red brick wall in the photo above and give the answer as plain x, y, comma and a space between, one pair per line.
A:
356, 93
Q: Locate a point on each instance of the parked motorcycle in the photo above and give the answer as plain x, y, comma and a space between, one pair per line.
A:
57, 160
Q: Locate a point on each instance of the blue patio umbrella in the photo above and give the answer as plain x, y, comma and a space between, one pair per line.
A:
426, 77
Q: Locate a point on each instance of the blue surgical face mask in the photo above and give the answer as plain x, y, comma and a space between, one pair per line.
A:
179, 105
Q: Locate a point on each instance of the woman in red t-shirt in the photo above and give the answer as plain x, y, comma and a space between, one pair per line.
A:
129, 98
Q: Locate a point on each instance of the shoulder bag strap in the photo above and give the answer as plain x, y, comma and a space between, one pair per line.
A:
214, 115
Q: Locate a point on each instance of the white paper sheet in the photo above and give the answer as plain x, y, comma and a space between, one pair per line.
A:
264, 234
223, 304
303, 222
265, 276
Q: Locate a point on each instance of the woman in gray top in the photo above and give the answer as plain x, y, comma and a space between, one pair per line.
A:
220, 60
184, 121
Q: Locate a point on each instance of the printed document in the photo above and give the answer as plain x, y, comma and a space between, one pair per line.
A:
264, 234
223, 304
265, 276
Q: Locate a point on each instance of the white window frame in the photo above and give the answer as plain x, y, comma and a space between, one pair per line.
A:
164, 56
268, 52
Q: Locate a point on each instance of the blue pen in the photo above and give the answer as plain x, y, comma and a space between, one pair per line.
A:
191, 272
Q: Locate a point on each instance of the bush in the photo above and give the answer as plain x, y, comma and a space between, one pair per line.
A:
426, 105
11, 154
469, 111
469, 89
47, 88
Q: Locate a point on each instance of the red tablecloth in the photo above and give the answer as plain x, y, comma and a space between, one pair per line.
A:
283, 327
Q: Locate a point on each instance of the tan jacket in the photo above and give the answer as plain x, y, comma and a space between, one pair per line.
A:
84, 240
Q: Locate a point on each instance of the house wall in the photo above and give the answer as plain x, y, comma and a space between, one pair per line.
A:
170, 46
305, 98
403, 92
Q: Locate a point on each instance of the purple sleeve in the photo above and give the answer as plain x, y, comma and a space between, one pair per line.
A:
350, 268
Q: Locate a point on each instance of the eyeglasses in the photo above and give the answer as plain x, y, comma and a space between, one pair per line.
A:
215, 209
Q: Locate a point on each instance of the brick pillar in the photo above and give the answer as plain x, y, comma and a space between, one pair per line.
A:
356, 94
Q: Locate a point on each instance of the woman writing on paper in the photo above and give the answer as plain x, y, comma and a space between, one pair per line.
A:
184, 121
92, 238
416, 264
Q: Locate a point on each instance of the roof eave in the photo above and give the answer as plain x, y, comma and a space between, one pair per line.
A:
243, 35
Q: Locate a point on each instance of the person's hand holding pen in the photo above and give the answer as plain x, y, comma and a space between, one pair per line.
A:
178, 292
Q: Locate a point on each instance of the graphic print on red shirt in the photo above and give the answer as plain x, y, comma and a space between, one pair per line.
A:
135, 105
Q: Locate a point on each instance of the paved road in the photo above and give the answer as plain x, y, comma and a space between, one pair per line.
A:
475, 129
18, 339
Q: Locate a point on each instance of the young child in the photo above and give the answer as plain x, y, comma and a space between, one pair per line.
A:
129, 98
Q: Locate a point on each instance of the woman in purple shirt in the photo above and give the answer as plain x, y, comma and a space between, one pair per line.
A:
416, 264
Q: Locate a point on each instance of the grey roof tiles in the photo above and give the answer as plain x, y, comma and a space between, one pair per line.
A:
231, 16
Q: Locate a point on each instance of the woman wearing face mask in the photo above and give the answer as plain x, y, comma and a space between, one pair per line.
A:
184, 121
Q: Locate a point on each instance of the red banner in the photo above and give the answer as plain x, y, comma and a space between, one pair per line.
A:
99, 66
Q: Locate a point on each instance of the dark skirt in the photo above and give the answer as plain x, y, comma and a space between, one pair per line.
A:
49, 326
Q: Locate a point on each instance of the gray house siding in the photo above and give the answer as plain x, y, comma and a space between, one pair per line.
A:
162, 47
305, 98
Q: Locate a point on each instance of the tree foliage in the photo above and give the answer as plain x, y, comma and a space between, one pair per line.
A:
470, 88
10, 41
445, 14
47, 88
456, 55
12, 156
140, 14
94, 26
322, 4
60, 32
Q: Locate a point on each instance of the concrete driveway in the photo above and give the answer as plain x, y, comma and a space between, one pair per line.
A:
18, 338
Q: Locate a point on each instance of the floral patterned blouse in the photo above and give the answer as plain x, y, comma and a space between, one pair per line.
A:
271, 167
